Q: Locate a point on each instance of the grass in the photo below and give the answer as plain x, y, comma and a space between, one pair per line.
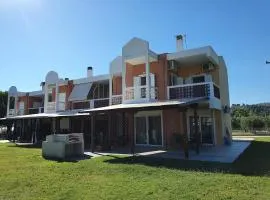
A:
241, 133
24, 174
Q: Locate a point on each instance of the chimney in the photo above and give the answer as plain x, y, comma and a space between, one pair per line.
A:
89, 72
179, 43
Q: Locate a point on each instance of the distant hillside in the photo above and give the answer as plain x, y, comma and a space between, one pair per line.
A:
260, 109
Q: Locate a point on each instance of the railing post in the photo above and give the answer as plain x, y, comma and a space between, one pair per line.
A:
92, 103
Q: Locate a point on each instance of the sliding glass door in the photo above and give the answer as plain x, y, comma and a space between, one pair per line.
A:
205, 128
141, 130
148, 130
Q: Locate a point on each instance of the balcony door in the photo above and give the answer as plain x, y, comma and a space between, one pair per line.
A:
140, 86
148, 130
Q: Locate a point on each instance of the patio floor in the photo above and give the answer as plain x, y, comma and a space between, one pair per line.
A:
223, 154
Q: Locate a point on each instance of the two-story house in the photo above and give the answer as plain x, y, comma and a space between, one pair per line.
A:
147, 99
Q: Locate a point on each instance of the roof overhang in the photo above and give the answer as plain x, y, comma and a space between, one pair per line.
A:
46, 115
36, 93
198, 55
148, 105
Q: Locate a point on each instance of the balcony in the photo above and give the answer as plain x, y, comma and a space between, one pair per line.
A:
139, 93
189, 91
36, 110
97, 103
116, 99
93, 103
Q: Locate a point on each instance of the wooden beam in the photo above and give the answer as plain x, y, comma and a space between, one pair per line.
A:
93, 117
185, 139
123, 124
131, 130
82, 125
109, 129
196, 130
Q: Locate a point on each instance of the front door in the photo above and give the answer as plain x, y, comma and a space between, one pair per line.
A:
148, 130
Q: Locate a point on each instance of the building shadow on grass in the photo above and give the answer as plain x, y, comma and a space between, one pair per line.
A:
26, 145
73, 159
254, 161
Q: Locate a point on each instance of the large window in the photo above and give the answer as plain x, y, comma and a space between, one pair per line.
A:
198, 79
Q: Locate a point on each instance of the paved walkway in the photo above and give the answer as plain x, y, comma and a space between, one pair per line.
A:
223, 154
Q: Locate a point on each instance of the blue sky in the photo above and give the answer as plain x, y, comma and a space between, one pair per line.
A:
37, 36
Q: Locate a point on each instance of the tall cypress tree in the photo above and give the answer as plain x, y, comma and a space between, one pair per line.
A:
3, 104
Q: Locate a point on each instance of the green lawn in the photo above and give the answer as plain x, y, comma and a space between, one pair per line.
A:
24, 174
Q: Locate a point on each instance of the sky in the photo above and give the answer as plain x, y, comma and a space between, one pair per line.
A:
37, 36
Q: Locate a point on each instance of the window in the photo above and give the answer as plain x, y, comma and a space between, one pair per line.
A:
143, 80
50, 99
198, 79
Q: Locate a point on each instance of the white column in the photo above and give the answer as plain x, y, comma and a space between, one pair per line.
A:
8, 103
45, 97
123, 79
110, 88
15, 105
56, 97
147, 71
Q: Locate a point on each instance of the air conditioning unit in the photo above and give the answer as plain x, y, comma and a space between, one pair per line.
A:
173, 64
208, 67
226, 109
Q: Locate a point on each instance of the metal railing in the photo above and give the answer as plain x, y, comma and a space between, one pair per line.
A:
61, 106
97, 103
93, 103
51, 107
187, 91
21, 112
140, 92
11, 112
36, 110
116, 99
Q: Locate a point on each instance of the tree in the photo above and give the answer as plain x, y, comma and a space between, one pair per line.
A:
3, 104
246, 123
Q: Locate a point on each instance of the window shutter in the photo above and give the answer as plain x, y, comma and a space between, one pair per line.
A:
152, 80
152, 86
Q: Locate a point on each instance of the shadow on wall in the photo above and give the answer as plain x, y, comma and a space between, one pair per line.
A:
253, 162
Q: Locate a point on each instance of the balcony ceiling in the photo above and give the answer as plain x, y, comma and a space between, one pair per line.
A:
140, 59
198, 55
